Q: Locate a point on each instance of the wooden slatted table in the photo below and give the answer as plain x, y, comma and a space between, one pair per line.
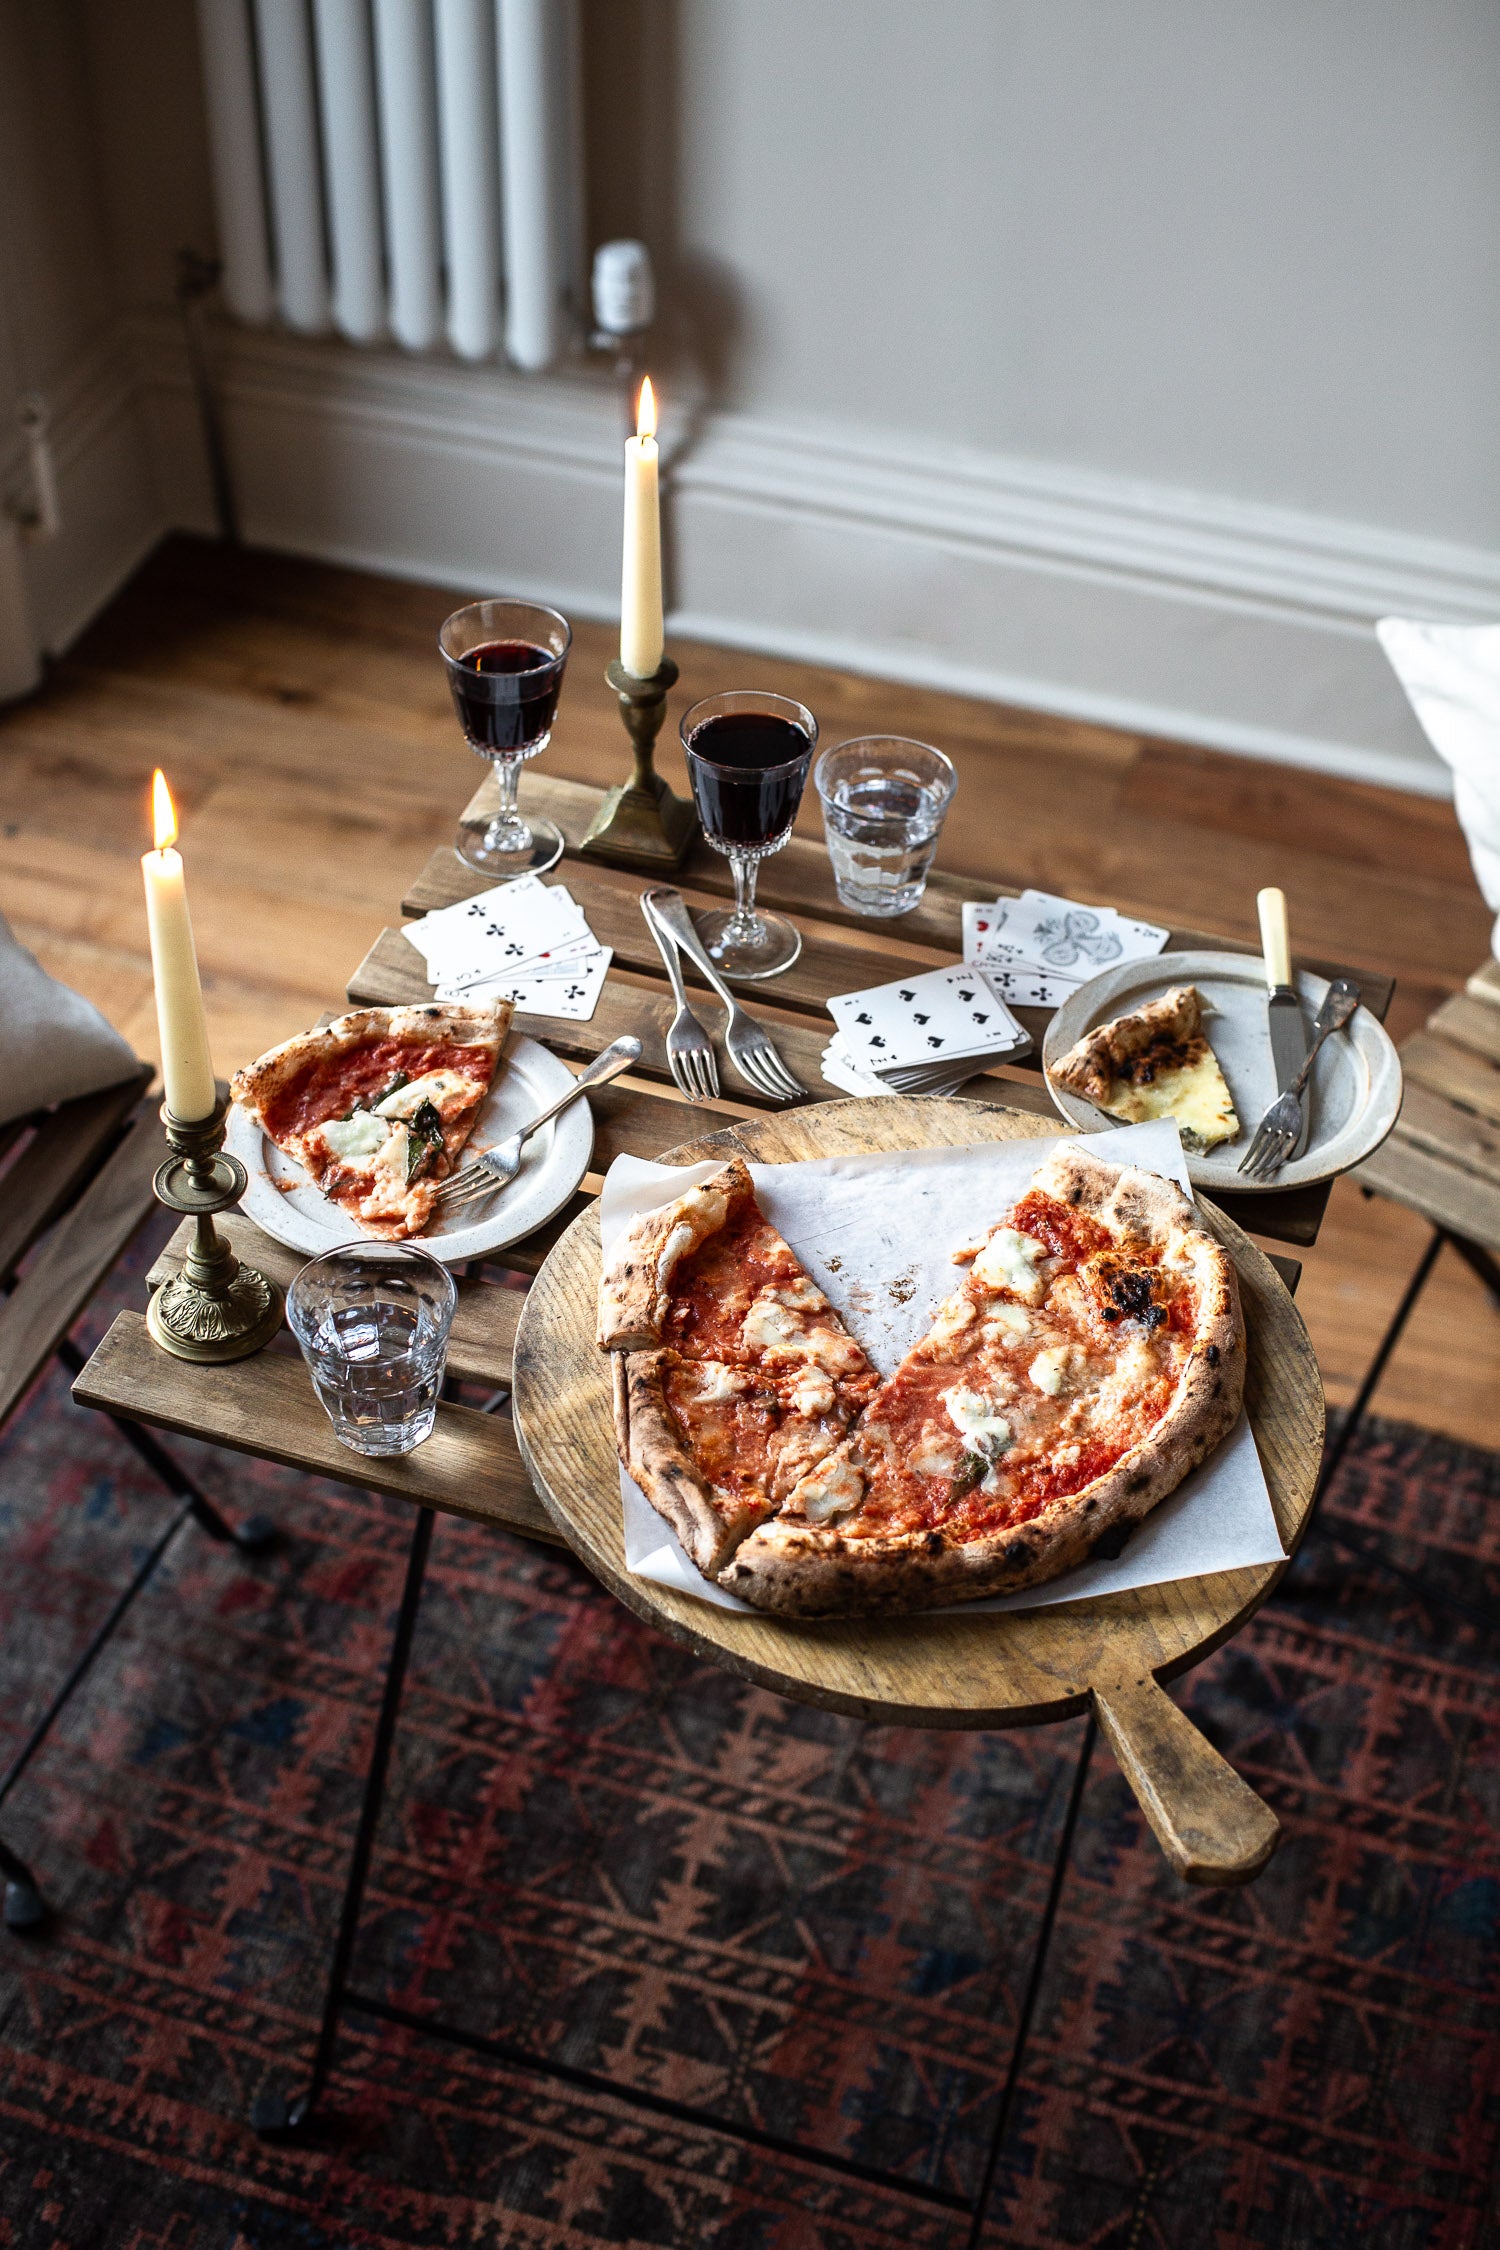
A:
471, 1466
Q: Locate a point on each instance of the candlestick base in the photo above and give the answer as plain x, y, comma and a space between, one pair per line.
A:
215, 1309
641, 823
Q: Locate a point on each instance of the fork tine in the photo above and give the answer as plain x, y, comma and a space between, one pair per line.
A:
705, 1076
1271, 1157
793, 1084
1253, 1153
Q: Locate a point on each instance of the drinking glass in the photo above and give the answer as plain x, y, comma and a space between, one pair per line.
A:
373, 1320
505, 664
747, 759
884, 801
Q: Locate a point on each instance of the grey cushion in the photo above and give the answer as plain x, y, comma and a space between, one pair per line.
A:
54, 1044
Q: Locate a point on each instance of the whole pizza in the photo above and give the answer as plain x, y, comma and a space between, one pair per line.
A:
376, 1106
1092, 1354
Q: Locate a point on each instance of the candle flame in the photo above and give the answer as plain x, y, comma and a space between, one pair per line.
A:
645, 421
164, 812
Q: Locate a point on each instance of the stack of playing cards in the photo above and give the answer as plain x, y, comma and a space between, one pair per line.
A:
526, 941
924, 1034
1036, 949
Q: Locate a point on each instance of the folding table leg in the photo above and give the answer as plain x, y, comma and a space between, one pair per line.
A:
25, 1908
251, 1537
275, 2115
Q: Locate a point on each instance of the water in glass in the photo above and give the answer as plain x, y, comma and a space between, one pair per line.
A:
377, 1376
883, 807
372, 1320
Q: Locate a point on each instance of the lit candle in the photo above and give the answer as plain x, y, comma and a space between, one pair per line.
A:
642, 636
187, 1074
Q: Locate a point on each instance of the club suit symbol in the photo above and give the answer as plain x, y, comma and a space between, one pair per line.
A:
1064, 940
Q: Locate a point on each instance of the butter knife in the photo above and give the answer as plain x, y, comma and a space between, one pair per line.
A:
1285, 1022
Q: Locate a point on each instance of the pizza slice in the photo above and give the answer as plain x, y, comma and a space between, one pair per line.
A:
1093, 1355
376, 1106
1155, 1062
734, 1376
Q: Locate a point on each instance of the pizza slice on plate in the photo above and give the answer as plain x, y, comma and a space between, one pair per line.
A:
734, 1376
1093, 1356
376, 1106
1155, 1062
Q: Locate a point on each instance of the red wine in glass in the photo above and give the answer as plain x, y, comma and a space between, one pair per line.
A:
505, 693
748, 771
747, 758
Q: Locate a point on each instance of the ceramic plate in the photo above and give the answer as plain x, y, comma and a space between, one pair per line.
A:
1356, 1081
282, 1199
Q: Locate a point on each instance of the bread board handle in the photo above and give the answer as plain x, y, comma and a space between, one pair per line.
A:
1211, 1825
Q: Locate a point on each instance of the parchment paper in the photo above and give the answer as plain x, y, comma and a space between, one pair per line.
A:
884, 1260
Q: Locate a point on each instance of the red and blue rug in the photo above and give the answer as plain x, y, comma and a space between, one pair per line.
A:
653, 1878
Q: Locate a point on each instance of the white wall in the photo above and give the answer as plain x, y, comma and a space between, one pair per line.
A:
1127, 357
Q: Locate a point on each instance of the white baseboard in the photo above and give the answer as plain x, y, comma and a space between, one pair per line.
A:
1189, 616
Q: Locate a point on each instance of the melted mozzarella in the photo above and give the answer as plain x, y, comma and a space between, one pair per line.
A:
976, 1420
1049, 1370
353, 1139
1009, 1261
812, 1393
952, 1318
801, 1295
770, 1327
1011, 1320
716, 1384
832, 1488
934, 1456
437, 1087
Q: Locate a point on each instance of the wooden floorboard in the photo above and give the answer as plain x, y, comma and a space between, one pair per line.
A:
302, 716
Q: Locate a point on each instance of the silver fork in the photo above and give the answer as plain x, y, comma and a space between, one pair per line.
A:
496, 1167
749, 1046
690, 1051
1281, 1128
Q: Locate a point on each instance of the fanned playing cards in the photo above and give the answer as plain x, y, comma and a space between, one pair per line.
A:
1037, 949
527, 941
924, 1034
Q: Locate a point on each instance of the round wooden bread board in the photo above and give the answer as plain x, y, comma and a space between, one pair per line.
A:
1019, 1668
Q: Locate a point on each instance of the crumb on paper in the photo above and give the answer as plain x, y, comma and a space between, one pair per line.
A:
903, 1288
834, 1265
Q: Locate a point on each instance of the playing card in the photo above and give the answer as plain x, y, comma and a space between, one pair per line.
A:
557, 961
574, 996
935, 1016
841, 1070
502, 927
1139, 941
1056, 940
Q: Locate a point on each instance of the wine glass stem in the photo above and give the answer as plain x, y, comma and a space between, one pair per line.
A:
743, 927
507, 820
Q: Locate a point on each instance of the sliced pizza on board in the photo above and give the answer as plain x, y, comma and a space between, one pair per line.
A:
1092, 1356
376, 1106
1155, 1062
734, 1376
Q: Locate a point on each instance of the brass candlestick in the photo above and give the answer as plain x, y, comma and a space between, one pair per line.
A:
641, 824
215, 1309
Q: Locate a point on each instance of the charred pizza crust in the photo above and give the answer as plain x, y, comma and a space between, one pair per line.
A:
635, 1288
1154, 1062
263, 1087
799, 1568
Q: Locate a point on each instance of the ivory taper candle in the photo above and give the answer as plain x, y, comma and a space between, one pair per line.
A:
187, 1073
642, 636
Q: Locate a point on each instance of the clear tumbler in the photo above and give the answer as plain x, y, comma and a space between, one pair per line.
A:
884, 802
373, 1320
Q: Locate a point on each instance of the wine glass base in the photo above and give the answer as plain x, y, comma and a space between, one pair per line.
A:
781, 942
479, 847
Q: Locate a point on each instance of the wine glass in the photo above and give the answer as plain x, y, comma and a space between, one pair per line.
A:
747, 759
505, 664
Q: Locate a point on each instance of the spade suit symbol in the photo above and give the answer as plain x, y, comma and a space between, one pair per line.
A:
922, 1018
862, 1019
905, 993
933, 1040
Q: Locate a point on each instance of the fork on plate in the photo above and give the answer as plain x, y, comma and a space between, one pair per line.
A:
496, 1167
1281, 1128
748, 1045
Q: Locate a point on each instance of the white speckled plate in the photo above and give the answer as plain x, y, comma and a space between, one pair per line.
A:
283, 1200
1356, 1081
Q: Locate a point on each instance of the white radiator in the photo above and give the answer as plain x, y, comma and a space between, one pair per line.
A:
400, 170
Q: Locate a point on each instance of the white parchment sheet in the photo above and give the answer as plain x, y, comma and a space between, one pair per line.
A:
877, 1234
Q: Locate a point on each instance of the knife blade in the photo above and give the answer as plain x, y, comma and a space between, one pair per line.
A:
1285, 1023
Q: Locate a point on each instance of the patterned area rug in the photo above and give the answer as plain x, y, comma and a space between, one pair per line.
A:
651, 1878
